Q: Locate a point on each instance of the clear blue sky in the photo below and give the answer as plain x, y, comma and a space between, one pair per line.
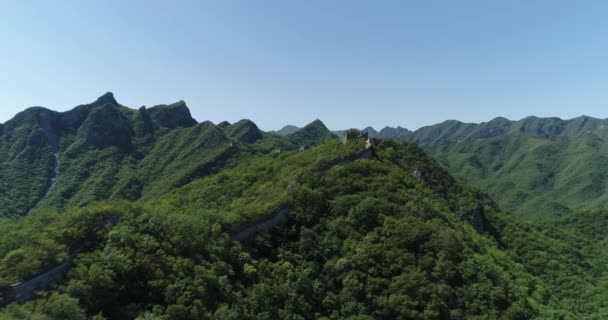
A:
350, 63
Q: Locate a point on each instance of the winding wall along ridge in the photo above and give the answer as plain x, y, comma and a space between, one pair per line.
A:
280, 216
26, 291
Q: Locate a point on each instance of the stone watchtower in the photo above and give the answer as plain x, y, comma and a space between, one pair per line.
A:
353, 134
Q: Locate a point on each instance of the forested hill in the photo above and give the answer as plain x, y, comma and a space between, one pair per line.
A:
538, 168
453, 130
104, 150
391, 236
144, 207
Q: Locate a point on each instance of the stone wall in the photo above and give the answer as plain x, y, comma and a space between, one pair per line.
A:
278, 218
364, 154
25, 291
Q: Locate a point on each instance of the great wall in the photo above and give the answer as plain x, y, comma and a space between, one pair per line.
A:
26, 291
279, 217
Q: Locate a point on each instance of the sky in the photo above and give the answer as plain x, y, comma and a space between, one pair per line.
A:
350, 63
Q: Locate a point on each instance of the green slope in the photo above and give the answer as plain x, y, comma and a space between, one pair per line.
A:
391, 237
453, 130
106, 151
535, 167
533, 177
385, 233
314, 131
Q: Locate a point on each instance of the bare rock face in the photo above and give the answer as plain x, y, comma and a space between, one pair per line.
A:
47, 122
173, 115
107, 126
143, 125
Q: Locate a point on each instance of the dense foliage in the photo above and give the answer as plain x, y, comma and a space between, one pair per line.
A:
380, 233
531, 176
535, 167
107, 151
365, 239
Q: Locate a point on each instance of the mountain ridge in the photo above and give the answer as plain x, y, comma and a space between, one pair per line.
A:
547, 127
109, 151
148, 203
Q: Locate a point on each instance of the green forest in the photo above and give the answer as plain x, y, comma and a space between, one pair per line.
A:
147, 201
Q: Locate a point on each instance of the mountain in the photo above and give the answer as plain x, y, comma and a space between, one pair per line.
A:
148, 214
383, 230
536, 167
286, 130
547, 128
314, 131
532, 176
245, 131
371, 132
454, 130
396, 133
106, 151
172, 116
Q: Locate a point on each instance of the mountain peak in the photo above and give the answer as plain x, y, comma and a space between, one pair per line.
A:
245, 131
313, 132
370, 131
288, 129
172, 115
106, 98
317, 123
224, 124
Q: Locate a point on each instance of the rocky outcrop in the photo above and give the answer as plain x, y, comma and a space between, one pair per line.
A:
143, 125
173, 115
45, 120
107, 126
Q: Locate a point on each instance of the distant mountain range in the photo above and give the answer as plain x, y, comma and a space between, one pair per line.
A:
397, 133
535, 167
104, 150
550, 127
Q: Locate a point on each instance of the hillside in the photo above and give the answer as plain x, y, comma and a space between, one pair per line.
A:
106, 151
453, 130
535, 167
288, 129
532, 176
369, 234
198, 220
314, 131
